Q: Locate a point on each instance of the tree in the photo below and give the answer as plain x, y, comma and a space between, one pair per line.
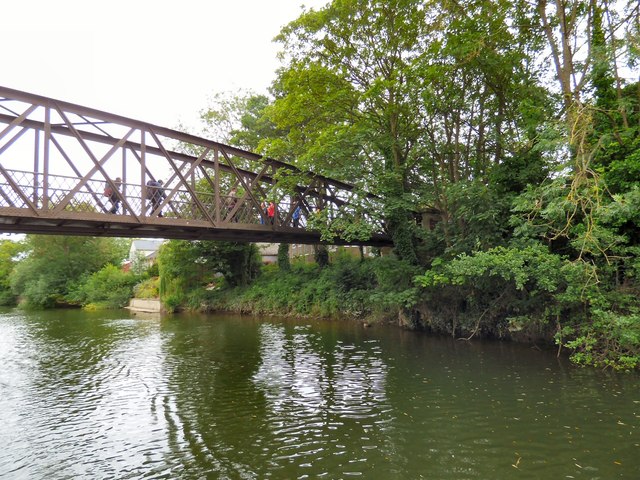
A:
109, 287
344, 98
582, 36
405, 98
239, 119
9, 256
194, 264
223, 115
54, 264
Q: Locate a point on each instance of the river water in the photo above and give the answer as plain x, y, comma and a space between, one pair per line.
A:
115, 395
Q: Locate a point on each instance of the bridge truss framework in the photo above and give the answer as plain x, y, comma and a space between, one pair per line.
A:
57, 159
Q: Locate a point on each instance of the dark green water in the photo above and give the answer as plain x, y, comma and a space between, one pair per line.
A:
109, 395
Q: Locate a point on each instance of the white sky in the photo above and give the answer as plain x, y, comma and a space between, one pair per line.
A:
152, 60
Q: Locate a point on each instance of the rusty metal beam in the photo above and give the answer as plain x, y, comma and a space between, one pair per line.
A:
170, 230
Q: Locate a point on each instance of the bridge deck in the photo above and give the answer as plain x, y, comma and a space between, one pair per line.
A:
69, 223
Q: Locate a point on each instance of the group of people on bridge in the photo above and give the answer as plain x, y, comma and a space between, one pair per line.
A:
269, 211
156, 195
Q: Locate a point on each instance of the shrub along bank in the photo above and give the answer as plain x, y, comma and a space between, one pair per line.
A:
371, 290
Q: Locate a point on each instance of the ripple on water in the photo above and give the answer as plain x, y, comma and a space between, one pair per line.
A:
317, 405
127, 398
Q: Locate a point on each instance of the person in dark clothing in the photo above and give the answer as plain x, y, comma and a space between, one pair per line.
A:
112, 195
263, 208
115, 199
155, 193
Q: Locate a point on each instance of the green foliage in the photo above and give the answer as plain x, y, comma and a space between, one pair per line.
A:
321, 255
395, 288
622, 169
239, 119
162, 287
496, 290
173, 302
480, 292
189, 266
373, 289
9, 254
346, 109
531, 266
110, 287
152, 271
149, 288
54, 264
477, 218
519, 171
610, 340
283, 257
411, 99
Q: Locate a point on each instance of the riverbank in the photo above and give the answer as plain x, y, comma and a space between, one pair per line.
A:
384, 290
369, 291
373, 291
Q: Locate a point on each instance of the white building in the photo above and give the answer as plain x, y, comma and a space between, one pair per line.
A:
143, 253
268, 252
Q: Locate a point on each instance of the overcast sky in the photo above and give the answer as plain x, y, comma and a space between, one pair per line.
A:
152, 60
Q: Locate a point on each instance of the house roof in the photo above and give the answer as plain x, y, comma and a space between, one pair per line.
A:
146, 245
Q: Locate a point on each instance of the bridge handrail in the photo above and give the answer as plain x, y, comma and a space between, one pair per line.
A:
90, 198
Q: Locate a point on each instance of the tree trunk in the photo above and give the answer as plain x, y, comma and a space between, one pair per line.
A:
283, 257
321, 255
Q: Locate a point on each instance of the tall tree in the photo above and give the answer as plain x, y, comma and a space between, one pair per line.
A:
345, 99
239, 119
583, 37
405, 97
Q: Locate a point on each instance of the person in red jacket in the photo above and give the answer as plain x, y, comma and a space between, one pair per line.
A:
271, 212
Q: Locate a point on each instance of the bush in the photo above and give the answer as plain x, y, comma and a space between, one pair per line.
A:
148, 288
609, 340
172, 303
48, 275
346, 288
109, 287
7, 299
480, 292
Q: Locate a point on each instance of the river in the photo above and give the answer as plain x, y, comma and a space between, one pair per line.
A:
116, 395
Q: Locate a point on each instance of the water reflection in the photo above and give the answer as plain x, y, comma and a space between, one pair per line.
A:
208, 403
322, 399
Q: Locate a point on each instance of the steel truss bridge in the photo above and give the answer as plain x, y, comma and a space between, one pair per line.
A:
57, 160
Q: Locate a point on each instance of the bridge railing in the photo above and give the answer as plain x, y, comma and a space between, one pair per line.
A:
29, 190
